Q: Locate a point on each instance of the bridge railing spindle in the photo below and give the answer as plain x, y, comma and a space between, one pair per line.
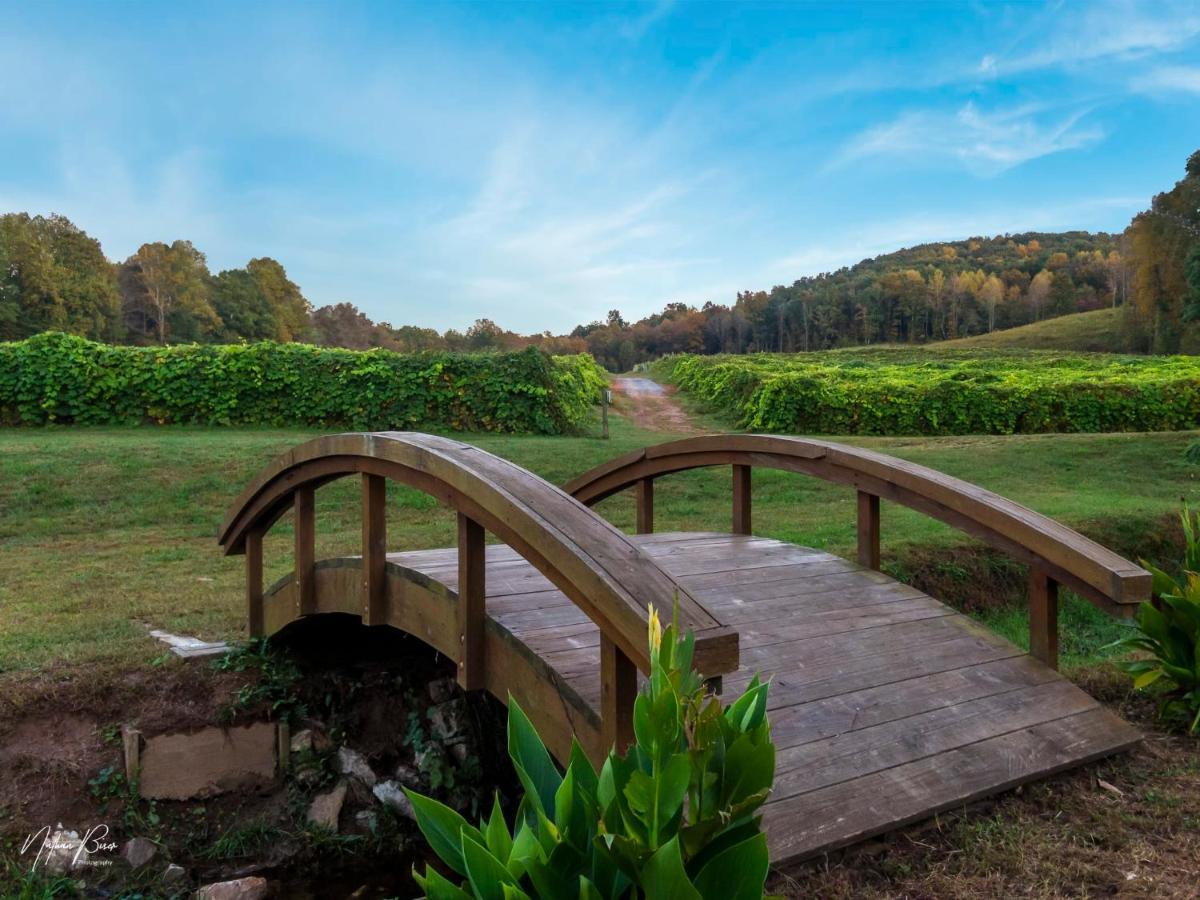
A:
618, 690
645, 506
306, 549
374, 549
472, 592
868, 530
741, 500
254, 583
1043, 617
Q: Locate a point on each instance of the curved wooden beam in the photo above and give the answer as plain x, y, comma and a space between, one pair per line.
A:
589, 560
1093, 571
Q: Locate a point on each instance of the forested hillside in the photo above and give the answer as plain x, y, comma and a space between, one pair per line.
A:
53, 276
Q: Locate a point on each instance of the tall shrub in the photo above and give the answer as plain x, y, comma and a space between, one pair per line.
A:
58, 378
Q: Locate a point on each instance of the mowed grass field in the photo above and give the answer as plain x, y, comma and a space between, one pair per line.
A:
106, 532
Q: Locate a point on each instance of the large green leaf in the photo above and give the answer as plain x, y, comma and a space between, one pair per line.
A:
535, 769
486, 874
499, 840
443, 829
737, 873
664, 878
656, 801
435, 886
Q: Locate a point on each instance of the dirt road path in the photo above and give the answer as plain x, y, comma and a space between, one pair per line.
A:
650, 405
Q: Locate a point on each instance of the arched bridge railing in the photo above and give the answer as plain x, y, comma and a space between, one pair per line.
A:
590, 561
1056, 555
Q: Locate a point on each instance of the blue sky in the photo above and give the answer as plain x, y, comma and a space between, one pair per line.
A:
539, 164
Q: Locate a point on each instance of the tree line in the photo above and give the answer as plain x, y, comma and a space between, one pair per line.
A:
53, 276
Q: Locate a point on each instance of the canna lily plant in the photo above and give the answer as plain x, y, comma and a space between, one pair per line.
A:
1168, 630
675, 816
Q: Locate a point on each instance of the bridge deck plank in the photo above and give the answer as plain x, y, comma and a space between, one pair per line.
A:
887, 705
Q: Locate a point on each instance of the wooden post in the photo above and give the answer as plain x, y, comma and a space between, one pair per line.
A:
618, 690
1043, 617
254, 583
741, 500
605, 399
374, 549
868, 530
306, 549
645, 506
471, 596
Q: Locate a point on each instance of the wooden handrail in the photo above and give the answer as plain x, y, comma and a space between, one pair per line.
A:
594, 564
1055, 553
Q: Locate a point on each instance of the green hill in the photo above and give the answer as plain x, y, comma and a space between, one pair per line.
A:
1097, 331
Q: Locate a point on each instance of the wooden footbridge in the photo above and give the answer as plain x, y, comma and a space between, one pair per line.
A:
887, 706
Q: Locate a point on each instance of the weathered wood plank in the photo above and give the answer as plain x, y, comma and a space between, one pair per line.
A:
841, 814
818, 764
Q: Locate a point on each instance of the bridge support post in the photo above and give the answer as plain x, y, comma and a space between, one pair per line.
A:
741, 500
868, 530
1043, 617
254, 583
618, 690
374, 549
471, 597
645, 506
306, 549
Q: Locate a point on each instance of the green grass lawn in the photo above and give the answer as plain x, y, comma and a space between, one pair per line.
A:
1098, 331
103, 531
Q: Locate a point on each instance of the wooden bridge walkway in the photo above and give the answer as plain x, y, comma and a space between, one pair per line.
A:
886, 705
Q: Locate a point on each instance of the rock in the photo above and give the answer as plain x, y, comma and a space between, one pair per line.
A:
448, 721
409, 776
460, 752
390, 794
327, 807
306, 775
174, 875
302, 741
365, 820
138, 851
351, 762
253, 888
442, 689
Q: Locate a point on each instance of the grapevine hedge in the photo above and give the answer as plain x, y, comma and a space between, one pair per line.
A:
59, 378
897, 392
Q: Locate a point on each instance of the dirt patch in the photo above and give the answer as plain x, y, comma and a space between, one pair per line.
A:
652, 406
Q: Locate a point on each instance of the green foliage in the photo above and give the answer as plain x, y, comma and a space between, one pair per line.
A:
675, 816
58, 378
274, 686
1168, 629
898, 392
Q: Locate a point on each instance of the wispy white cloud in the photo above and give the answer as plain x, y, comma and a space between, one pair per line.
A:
1169, 79
1068, 35
986, 143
